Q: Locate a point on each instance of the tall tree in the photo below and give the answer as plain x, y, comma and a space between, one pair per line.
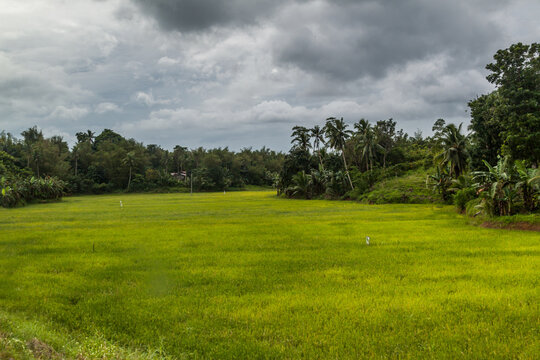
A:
488, 113
301, 137
179, 157
337, 134
386, 131
129, 161
455, 154
317, 134
516, 72
368, 146
31, 137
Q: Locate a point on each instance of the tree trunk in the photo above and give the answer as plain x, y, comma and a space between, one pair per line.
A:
37, 167
346, 168
75, 166
129, 180
320, 158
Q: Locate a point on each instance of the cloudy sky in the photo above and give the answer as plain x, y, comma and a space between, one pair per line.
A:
243, 72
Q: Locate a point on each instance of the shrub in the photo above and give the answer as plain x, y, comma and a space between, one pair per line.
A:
15, 191
462, 197
474, 207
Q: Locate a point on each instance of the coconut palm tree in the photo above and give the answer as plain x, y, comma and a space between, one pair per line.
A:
454, 153
129, 160
90, 136
368, 142
337, 134
318, 138
301, 137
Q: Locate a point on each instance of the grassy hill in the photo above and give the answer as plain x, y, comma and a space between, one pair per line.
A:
407, 189
251, 275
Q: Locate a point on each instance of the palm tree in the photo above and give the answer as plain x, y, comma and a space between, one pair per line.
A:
31, 137
301, 137
337, 134
301, 185
90, 136
454, 153
76, 154
368, 142
36, 156
318, 138
362, 126
129, 160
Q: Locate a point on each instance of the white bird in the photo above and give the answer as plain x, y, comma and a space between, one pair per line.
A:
121, 205
367, 240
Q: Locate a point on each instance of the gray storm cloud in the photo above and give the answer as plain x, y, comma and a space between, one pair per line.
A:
242, 73
199, 15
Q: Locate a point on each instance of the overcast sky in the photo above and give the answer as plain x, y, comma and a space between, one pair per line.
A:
241, 73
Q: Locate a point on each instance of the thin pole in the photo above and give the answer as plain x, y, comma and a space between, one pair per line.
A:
191, 183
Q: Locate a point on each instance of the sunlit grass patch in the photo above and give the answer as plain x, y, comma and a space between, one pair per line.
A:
247, 274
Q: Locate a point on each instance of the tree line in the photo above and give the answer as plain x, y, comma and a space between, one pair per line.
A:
492, 169
109, 162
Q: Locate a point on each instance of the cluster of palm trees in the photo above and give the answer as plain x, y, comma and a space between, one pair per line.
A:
335, 134
363, 146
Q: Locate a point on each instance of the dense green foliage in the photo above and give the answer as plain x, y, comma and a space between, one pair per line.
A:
16, 191
251, 275
505, 122
17, 187
374, 152
109, 162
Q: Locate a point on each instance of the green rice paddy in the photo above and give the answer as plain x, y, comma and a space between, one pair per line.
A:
249, 275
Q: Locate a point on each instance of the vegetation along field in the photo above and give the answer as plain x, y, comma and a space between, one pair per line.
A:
252, 275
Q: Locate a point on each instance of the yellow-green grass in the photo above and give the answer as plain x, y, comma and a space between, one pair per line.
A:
250, 275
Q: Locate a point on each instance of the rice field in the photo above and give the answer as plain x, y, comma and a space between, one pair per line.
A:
249, 275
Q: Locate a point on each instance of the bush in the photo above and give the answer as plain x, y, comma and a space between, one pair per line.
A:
16, 191
462, 197
474, 207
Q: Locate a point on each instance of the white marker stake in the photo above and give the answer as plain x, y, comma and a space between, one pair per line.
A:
121, 205
367, 240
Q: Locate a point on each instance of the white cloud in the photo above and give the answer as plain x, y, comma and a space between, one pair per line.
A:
149, 100
167, 61
104, 107
69, 113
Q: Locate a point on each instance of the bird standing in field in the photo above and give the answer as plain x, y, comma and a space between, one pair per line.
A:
367, 240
